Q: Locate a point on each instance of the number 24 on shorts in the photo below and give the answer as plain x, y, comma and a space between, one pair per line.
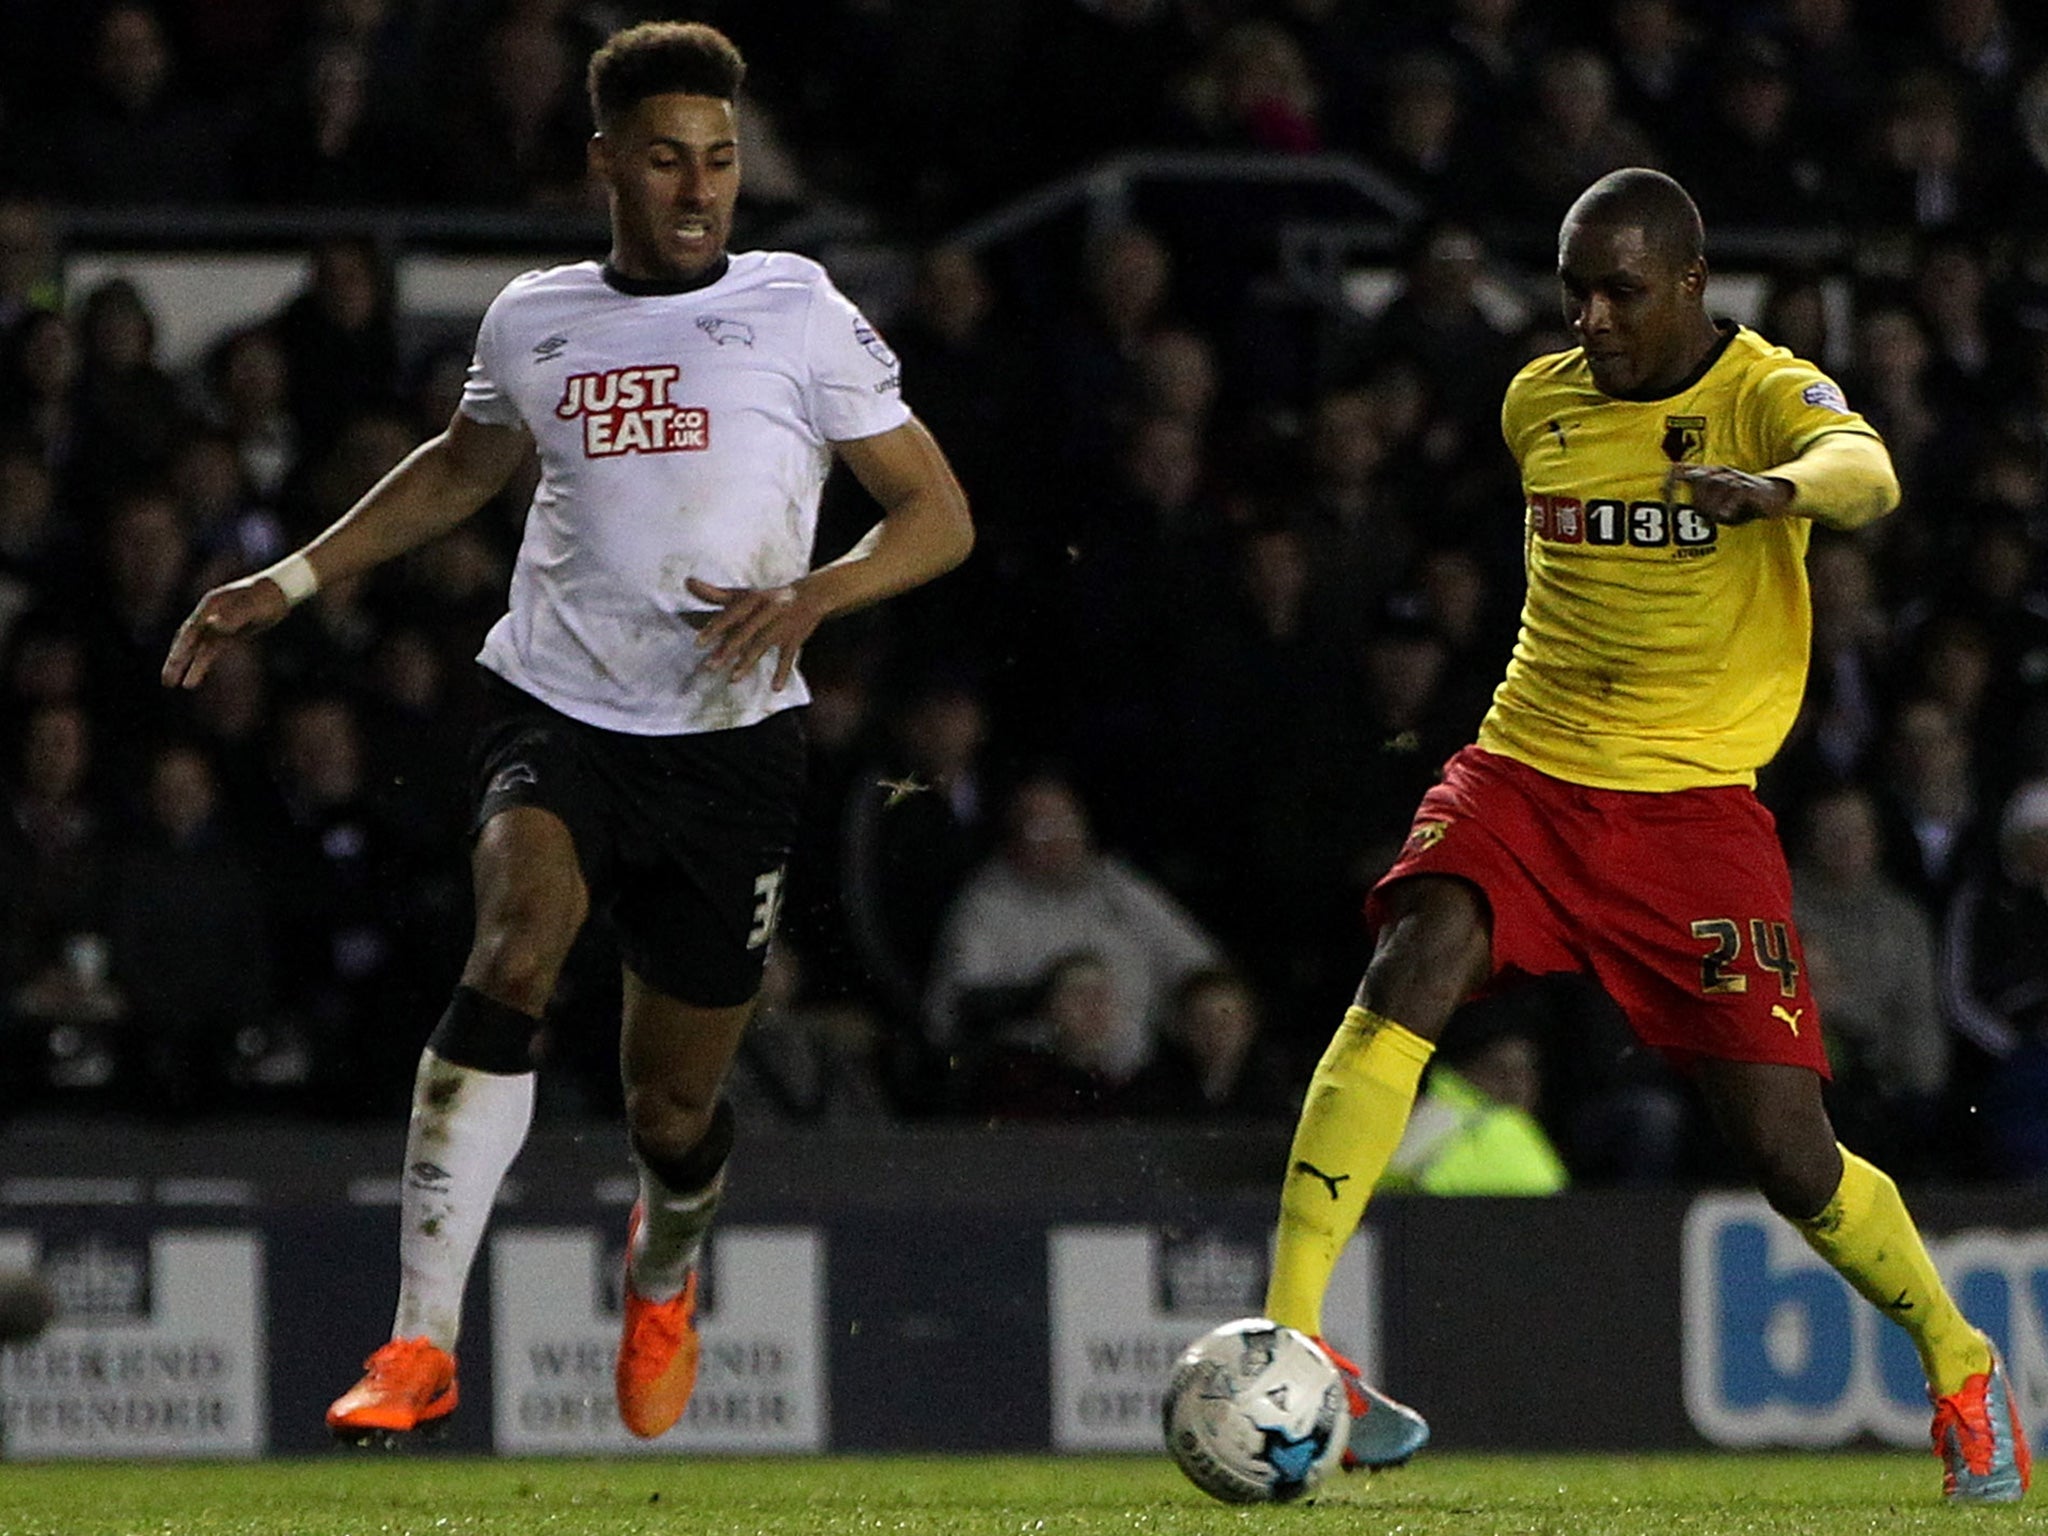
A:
1771, 941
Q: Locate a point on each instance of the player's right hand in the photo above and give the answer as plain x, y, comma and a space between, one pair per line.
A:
245, 607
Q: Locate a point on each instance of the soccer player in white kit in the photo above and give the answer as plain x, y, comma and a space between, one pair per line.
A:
642, 754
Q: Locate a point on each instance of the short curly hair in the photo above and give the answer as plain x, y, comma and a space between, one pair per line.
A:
656, 58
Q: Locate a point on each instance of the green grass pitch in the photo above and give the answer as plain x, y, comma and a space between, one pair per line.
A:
372, 1495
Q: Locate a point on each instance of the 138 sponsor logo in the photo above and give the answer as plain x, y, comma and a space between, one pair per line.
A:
1620, 524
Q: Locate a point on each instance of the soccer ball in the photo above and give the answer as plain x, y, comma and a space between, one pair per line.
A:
1255, 1413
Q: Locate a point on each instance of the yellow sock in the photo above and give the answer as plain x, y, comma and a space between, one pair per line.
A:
1865, 1233
1357, 1107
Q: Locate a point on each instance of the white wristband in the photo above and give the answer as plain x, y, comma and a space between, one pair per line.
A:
295, 578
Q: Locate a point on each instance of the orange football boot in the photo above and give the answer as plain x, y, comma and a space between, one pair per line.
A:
1981, 1442
658, 1350
409, 1386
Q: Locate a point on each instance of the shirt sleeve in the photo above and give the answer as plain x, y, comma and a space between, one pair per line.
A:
483, 398
853, 384
1840, 470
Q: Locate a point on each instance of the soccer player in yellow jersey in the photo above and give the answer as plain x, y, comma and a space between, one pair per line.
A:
1606, 822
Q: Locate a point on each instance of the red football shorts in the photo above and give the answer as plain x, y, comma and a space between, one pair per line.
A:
1678, 903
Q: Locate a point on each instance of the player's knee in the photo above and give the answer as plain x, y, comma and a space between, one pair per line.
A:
521, 976
669, 1119
520, 945
1798, 1180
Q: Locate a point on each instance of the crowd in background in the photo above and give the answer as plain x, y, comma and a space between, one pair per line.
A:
1091, 820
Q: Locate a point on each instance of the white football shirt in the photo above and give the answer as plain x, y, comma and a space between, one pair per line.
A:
680, 434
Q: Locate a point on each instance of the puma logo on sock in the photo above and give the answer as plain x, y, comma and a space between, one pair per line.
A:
1332, 1181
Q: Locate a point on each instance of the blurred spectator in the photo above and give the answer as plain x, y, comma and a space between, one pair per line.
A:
915, 823
1063, 1063
1113, 595
129, 412
131, 135
1215, 1057
1929, 808
1996, 971
340, 343
513, 134
804, 1061
1492, 43
39, 386
355, 928
39, 555
1842, 716
232, 532
1870, 948
1437, 323
1923, 173
1092, 355
29, 277
321, 138
413, 719
1051, 895
1572, 136
1255, 91
1997, 598
45, 664
1949, 660
1951, 291
1656, 49
1795, 316
1891, 385
1474, 1129
1261, 786
1359, 534
54, 897
189, 944
1759, 167
1423, 137
249, 396
1976, 43
144, 564
1835, 75
977, 390
1059, 1058
231, 718
1460, 606
1177, 376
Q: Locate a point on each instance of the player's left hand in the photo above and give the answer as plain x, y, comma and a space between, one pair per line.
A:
1724, 495
751, 622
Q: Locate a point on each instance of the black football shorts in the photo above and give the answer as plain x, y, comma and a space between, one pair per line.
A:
684, 840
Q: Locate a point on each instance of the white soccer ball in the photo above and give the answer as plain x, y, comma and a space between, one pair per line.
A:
1255, 1413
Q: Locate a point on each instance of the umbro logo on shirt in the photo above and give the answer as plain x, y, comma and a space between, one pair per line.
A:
547, 351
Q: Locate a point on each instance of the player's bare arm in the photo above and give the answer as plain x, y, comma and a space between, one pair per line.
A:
433, 488
925, 531
1842, 480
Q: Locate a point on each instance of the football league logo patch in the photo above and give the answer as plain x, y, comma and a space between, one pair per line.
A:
1825, 394
872, 343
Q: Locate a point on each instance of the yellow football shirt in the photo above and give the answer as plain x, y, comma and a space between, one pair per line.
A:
1658, 650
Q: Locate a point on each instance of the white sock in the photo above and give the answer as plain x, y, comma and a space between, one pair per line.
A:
672, 1228
467, 1127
